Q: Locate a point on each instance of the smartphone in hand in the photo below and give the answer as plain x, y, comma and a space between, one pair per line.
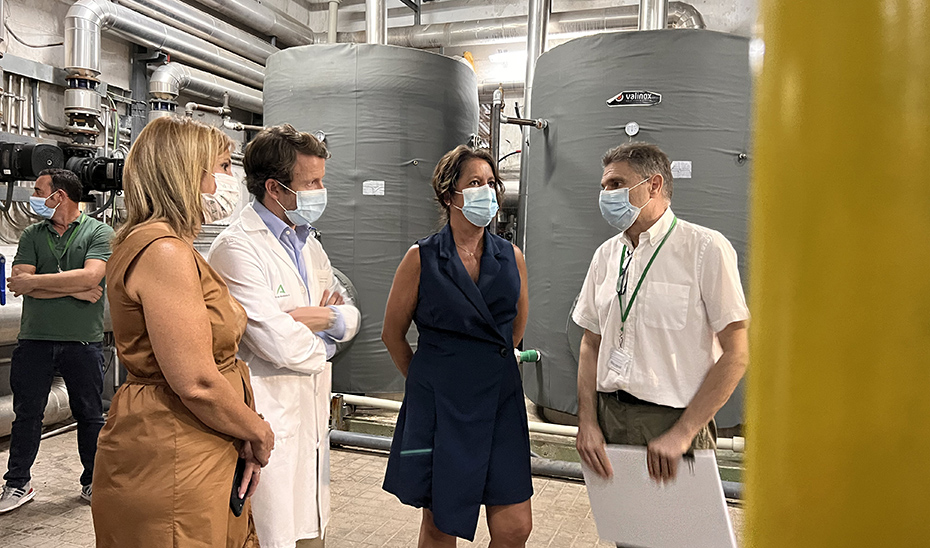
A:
236, 503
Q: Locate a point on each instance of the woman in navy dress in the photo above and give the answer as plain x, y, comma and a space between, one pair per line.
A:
461, 438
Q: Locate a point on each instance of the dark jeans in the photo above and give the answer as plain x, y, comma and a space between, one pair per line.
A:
31, 371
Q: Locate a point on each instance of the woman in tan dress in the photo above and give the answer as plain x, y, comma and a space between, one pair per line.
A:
167, 454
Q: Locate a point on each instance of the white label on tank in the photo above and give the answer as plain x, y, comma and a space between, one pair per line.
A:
681, 169
373, 188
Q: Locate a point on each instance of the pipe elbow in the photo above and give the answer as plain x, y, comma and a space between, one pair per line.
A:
685, 16
83, 23
168, 80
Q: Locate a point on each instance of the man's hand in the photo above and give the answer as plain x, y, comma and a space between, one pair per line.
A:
664, 454
317, 318
592, 449
21, 284
331, 299
91, 295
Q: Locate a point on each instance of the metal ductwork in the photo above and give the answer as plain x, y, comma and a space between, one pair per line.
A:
56, 410
514, 29
83, 25
87, 18
376, 22
188, 19
257, 16
169, 80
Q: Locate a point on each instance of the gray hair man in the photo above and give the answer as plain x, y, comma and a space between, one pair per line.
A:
665, 321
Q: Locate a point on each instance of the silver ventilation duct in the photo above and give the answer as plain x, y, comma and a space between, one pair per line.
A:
188, 19
514, 29
257, 16
87, 18
168, 81
375, 22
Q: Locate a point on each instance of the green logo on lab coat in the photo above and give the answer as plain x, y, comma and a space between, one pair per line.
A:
280, 292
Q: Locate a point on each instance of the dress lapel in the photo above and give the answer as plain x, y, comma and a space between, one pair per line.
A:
454, 268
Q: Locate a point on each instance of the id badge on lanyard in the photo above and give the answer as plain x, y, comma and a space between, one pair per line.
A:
621, 359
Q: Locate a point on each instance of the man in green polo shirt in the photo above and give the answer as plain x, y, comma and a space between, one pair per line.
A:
59, 268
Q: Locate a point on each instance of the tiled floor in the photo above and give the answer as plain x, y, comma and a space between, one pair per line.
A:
363, 515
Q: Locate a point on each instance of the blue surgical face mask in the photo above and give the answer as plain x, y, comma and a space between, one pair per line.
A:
480, 204
310, 206
617, 209
39, 207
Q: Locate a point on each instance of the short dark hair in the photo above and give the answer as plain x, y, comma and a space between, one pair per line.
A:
449, 169
62, 179
272, 154
646, 160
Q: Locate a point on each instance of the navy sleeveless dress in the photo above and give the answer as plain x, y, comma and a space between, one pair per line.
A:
461, 438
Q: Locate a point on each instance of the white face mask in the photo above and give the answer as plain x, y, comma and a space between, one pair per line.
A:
310, 206
222, 203
480, 204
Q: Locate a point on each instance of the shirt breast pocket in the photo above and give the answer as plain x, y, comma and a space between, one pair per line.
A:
666, 305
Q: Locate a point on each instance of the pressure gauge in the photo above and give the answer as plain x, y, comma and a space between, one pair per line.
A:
631, 129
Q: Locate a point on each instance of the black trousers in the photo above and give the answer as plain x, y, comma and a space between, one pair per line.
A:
32, 369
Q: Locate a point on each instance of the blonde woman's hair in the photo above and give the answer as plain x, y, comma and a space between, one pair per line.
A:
161, 179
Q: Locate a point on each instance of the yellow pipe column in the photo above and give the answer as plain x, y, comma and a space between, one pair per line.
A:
839, 381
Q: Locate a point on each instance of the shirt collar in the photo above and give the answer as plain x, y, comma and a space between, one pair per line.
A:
657, 231
276, 225
48, 223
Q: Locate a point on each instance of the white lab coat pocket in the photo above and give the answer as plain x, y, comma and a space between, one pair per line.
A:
275, 397
666, 305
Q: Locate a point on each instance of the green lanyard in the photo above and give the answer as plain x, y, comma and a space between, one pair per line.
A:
51, 244
625, 311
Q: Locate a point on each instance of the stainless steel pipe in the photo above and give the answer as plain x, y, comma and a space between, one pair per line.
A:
653, 14
375, 22
169, 80
514, 29
198, 23
87, 18
257, 16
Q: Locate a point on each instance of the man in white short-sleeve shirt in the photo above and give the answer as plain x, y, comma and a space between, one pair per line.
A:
665, 321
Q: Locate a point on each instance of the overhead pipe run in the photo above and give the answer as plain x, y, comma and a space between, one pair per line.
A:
87, 18
188, 19
257, 16
83, 24
376, 22
514, 29
168, 81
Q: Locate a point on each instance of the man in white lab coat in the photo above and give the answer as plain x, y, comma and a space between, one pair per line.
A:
297, 312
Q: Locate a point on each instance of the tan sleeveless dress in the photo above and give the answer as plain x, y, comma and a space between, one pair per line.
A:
162, 478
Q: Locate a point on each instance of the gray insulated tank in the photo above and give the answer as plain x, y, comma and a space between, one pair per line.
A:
703, 118
389, 114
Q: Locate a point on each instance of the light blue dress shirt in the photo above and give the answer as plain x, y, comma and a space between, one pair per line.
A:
293, 241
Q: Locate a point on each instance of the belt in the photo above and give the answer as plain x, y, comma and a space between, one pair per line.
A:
161, 381
626, 397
